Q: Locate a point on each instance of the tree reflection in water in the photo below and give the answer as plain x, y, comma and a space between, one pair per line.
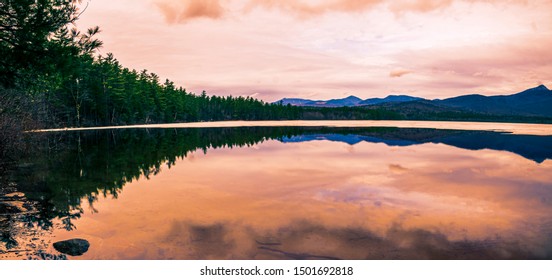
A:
66, 173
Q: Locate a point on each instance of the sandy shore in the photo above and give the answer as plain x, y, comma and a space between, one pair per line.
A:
515, 128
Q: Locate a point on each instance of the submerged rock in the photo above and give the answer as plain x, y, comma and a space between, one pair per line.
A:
72, 247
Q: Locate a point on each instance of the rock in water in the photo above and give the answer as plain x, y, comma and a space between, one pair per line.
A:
72, 247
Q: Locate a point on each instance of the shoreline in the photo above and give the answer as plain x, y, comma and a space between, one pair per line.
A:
514, 128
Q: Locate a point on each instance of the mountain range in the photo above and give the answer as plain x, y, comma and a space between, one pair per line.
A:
347, 101
531, 102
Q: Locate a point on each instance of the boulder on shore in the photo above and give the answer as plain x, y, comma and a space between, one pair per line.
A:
72, 247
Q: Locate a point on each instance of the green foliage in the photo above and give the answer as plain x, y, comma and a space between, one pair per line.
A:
34, 35
101, 91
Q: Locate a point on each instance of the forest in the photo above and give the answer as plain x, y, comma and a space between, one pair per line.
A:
53, 70
52, 76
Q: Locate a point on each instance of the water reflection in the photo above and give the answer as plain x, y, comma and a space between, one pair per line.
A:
299, 193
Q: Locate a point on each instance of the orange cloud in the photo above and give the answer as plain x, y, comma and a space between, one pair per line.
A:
397, 168
399, 73
184, 10
424, 6
419, 5
180, 11
507, 67
307, 9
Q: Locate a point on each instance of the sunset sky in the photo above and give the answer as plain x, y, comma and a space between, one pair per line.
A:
321, 49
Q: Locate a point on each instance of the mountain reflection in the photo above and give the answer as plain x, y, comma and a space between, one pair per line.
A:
69, 172
536, 148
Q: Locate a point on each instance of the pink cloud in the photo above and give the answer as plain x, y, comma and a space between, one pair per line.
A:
399, 73
307, 9
489, 69
183, 10
419, 5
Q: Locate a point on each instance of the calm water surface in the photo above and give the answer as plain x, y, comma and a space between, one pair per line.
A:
282, 193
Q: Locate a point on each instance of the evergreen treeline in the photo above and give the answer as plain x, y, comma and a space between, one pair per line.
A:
50, 76
63, 82
100, 91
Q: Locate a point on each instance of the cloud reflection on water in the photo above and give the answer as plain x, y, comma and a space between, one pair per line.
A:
316, 200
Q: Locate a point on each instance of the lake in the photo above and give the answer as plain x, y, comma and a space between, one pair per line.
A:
283, 192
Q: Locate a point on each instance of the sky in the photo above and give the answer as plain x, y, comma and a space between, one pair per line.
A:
323, 49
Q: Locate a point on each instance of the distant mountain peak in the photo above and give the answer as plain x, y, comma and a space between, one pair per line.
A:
352, 97
539, 90
398, 95
542, 87
390, 99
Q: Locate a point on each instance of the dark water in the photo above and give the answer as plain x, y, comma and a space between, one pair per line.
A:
281, 193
